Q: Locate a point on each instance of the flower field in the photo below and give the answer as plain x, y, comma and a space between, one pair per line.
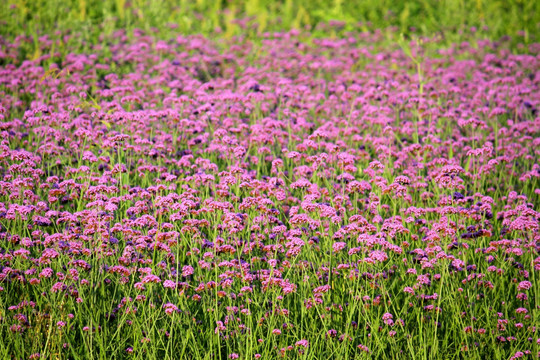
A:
297, 197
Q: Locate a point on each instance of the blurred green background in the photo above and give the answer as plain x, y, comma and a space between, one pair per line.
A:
519, 19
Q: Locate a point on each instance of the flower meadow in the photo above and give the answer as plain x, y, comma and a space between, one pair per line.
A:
298, 198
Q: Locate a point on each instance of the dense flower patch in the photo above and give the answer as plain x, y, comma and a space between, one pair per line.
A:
322, 199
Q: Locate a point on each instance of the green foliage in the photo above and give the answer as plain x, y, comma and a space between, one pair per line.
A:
88, 19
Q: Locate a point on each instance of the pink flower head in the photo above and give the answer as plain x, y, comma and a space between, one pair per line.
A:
303, 343
187, 270
338, 246
169, 284
524, 285
363, 348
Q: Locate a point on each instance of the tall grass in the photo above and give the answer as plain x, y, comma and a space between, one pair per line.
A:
87, 19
